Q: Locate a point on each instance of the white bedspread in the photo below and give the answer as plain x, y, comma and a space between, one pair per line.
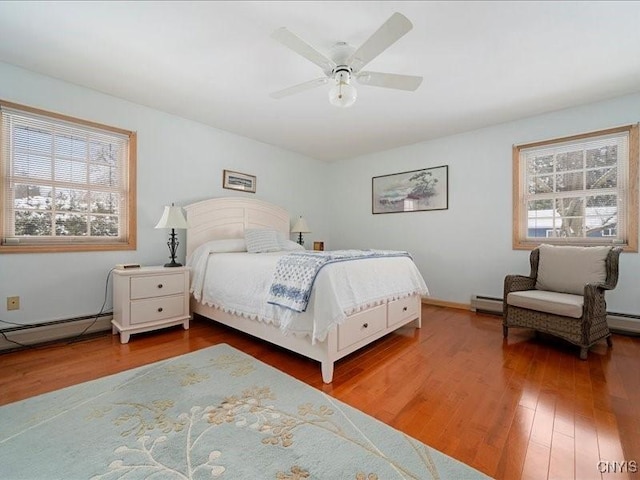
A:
239, 283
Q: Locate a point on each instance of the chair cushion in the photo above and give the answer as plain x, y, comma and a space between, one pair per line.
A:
564, 304
569, 269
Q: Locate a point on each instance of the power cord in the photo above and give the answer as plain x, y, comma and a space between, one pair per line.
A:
73, 339
106, 288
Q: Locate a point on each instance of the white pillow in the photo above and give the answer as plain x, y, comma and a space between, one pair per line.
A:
288, 245
261, 240
198, 258
226, 245
568, 269
216, 246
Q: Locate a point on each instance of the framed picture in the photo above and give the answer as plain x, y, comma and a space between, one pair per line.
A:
238, 181
319, 246
413, 191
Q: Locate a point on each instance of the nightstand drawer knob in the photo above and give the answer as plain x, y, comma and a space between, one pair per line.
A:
159, 309
159, 285
404, 309
365, 325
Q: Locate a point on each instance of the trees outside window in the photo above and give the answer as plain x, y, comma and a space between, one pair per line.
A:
580, 190
67, 184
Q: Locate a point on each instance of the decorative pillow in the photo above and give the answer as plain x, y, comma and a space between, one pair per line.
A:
568, 269
261, 240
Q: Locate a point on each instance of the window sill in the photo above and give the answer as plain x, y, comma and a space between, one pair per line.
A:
94, 247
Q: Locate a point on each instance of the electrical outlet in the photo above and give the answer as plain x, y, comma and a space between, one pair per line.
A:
13, 303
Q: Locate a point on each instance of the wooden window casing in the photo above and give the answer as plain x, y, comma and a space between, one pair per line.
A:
67, 185
578, 190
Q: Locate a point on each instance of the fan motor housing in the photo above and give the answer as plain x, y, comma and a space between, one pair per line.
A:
340, 53
342, 73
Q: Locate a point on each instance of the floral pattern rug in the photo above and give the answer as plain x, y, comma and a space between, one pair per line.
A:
214, 413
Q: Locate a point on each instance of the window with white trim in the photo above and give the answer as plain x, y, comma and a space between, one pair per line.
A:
67, 184
579, 190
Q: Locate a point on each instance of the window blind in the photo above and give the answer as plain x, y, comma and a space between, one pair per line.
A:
576, 190
62, 182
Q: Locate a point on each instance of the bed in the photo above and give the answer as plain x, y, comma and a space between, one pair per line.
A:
220, 220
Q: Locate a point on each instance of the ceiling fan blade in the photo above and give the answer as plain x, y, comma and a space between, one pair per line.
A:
391, 31
301, 87
295, 43
389, 80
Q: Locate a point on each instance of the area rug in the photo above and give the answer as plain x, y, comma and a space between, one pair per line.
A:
214, 413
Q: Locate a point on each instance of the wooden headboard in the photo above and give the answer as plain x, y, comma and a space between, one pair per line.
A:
228, 217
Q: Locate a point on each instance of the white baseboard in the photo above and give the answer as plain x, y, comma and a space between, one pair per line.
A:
443, 303
617, 322
49, 332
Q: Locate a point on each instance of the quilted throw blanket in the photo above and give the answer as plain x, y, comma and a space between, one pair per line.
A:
296, 272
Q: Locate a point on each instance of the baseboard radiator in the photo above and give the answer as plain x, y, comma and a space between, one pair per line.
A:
482, 304
19, 336
618, 322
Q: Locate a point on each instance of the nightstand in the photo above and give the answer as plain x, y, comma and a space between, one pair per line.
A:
149, 298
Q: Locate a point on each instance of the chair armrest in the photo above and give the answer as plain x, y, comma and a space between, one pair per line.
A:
603, 286
594, 302
517, 283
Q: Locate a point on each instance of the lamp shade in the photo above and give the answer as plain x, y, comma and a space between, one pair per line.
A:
301, 226
172, 217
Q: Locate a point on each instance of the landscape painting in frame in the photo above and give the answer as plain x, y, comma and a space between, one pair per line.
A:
239, 181
413, 191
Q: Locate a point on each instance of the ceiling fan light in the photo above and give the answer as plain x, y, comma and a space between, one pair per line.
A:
342, 95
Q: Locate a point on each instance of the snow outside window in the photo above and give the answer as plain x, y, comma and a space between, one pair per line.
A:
67, 184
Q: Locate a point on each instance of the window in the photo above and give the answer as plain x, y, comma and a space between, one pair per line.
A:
66, 184
580, 190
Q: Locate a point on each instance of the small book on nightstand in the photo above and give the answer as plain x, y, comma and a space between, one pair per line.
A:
127, 266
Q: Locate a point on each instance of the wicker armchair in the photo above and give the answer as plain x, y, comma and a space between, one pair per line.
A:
571, 306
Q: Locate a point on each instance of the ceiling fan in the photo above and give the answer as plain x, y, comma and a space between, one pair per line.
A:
345, 63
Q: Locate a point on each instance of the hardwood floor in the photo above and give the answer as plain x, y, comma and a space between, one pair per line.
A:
523, 408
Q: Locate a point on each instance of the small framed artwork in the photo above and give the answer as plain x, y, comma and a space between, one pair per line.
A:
239, 181
413, 191
318, 246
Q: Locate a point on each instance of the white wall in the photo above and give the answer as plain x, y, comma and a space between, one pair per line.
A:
461, 251
178, 161
466, 249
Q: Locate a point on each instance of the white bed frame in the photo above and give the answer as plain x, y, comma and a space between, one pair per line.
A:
221, 218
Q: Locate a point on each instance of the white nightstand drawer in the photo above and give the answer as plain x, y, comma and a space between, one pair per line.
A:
403, 309
157, 285
361, 326
154, 309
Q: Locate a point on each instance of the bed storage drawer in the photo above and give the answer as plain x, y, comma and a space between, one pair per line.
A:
157, 285
403, 309
361, 326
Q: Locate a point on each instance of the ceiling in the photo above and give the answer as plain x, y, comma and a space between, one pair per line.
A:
483, 63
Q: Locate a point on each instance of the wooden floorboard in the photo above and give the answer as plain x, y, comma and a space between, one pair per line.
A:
525, 407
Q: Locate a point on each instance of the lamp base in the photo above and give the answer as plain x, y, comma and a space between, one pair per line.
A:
173, 264
173, 246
